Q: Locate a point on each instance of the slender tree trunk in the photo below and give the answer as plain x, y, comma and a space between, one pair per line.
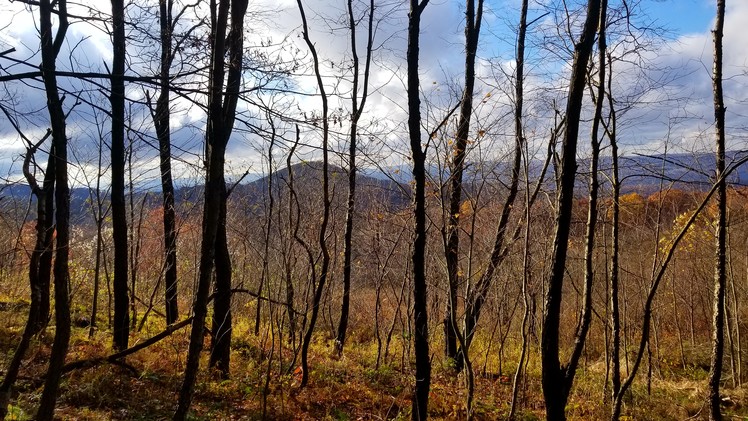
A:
615, 318
356, 111
161, 119
676, 321
135, 243
49, 50
319, 284
557, 379
718, 323
518, 133
266, 250
736, 322
98, 215
121, 334
418, 259
35, 321
220, 353
731, 340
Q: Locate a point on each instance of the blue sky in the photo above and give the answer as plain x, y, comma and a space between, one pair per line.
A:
683, 16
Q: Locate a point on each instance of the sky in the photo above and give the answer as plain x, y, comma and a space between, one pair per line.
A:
683, 16
667, 85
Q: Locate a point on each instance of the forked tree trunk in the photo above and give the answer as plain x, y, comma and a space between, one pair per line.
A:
221, 116
557, 379
36, 320
450, 230
356, 111
49, 50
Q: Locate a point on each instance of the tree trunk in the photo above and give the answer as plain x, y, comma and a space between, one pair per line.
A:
36, 320
121, 327
45, 257
50, 49
615, 318
220, 355
557, 380
99, 217
318, 284
718, 323
356, 111
526, 272
221, 117
266, 247
457, 167
418, 258
161, 120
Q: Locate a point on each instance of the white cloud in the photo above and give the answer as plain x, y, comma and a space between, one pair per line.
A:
684, 62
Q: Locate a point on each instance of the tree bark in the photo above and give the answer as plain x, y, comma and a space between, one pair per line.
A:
161, 120
318, 284
50, 49
557, 379
356, 111
720, 274
418, 258
221, 117
121, 328
457, 166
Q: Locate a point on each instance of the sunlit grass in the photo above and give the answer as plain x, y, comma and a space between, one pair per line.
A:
347, 387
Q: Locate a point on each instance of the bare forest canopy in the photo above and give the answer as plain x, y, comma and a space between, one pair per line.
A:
298, 210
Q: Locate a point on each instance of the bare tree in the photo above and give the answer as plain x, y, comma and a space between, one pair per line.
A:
418, 155
720, 274
221, 116
557, 379
450, 232
318, 284
357, 110
161, 119
518, 133
50, 49
119, 217
39, 264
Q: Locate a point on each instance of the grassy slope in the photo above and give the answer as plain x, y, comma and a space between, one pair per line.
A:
347, 388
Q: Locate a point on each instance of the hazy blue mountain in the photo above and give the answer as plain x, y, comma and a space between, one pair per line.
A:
389, 186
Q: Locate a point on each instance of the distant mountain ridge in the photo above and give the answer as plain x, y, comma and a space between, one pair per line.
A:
389, 185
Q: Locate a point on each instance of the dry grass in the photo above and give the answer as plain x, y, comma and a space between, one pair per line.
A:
350, 387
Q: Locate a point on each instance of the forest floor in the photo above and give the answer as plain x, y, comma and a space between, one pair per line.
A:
350, 387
